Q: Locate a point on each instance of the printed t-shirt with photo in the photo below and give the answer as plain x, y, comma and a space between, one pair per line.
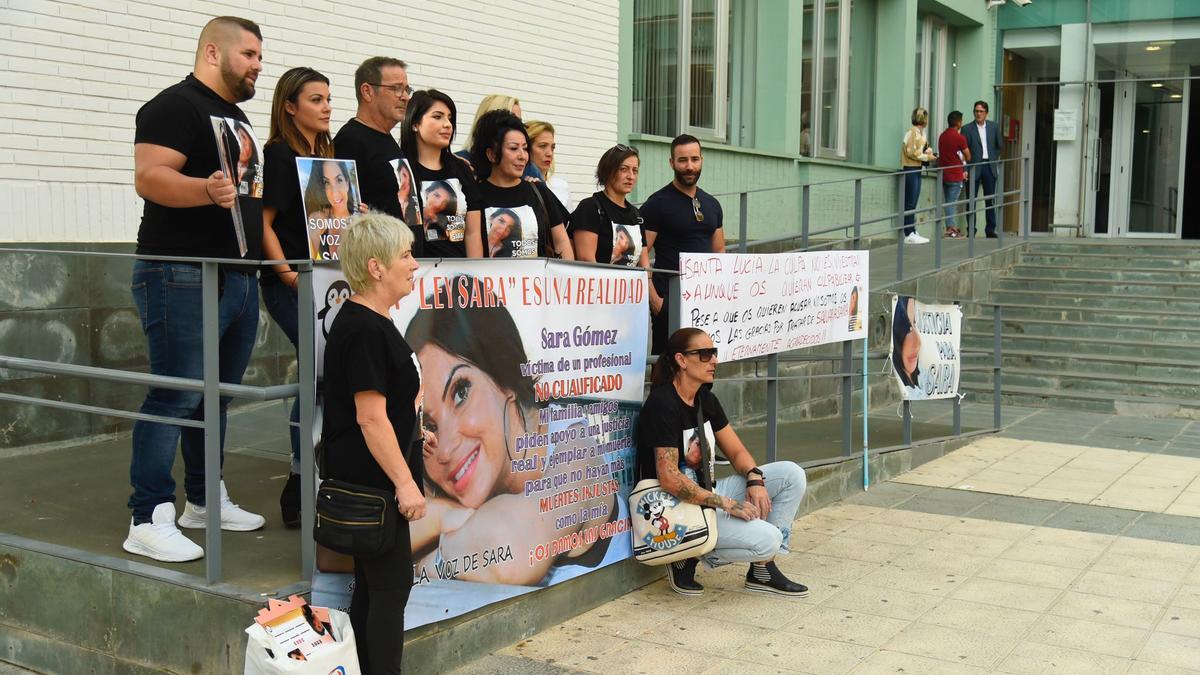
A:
281, 191
611, 223
445, 220
667, 422
530, 237
180, 118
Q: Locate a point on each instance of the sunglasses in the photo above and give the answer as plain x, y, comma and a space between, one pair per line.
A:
696, 210
705, 355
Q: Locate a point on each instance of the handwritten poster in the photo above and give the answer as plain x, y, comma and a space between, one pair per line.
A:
758, 304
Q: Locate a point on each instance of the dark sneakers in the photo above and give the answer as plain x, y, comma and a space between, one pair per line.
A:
682, 577
289, 501
766, 578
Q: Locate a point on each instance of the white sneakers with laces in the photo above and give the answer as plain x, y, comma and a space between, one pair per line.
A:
915, 238
233, 517
160, 539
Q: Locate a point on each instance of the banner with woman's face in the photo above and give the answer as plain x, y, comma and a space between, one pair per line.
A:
925, 348
331, 197
533, 373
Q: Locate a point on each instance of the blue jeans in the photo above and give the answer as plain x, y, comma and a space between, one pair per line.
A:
912, 193
982, 176
762, 539
167, 296
281, 303
951, 192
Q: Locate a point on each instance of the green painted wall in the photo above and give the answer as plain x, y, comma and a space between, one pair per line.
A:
1045, 14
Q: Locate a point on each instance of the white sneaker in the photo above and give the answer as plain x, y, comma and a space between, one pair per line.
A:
160, 539
233, 517
915, 238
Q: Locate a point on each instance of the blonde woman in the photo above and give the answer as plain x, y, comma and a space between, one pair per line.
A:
914, 152
541, 154
497, 102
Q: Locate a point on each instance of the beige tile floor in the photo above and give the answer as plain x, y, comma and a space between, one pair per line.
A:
895, 591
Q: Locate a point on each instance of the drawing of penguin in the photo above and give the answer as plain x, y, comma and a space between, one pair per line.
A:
336, 296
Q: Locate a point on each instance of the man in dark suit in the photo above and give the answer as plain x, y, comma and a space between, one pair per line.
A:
983, 140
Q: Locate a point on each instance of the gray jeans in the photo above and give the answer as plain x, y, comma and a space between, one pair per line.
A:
761, 539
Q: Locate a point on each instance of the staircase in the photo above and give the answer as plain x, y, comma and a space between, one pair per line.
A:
1096, 326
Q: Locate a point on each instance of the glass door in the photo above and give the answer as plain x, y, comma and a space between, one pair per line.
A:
1147, 180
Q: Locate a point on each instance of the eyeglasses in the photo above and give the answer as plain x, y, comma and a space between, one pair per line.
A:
397, 90
696, 210
705, 355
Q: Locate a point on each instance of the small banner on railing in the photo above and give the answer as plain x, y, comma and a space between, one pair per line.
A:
754, 304
925, 348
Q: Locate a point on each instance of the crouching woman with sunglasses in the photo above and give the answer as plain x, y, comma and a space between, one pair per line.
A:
680, 423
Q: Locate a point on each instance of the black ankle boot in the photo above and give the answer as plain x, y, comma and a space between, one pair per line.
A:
289, 501
682, 577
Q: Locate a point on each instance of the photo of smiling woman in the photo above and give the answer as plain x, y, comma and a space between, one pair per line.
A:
906, 348
478, 410
331, 196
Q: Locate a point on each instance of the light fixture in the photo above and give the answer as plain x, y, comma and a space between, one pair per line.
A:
1176, 95
991, 4
1156, 85
1145, 131
1152, 48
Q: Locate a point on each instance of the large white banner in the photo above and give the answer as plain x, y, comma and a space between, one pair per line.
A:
753, 304
925, 348
533, 373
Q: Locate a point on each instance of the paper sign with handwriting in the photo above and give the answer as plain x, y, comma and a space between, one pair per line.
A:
754, 304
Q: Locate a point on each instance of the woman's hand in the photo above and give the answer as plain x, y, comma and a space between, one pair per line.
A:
410, 501
363, 208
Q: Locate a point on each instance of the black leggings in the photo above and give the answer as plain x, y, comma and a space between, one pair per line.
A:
381, 588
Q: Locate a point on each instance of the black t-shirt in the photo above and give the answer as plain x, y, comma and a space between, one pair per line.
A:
527, 219
669, 213
610, 223
373, 152
447, 195
281, 191
365, 352
180, 118
667, 422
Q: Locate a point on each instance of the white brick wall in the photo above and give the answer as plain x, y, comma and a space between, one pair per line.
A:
73, 74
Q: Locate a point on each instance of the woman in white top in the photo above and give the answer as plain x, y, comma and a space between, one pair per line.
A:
914, 151
541, 151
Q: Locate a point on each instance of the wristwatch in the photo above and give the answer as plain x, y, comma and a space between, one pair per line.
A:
761, 475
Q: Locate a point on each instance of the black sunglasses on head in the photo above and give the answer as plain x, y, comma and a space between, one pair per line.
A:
705, 355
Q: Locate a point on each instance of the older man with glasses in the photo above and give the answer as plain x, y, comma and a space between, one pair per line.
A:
679, 218
985, 144
382, 89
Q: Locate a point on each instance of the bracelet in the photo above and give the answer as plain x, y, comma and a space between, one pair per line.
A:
210, 197
757, 482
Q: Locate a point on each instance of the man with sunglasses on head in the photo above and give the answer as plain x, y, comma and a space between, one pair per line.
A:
382, 89
679, 218
680, 427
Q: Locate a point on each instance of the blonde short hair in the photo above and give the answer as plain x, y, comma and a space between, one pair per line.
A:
536, 128
489, 103
371, 235
920, 116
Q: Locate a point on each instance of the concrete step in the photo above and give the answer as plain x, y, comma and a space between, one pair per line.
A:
1095, 382
1095, 300
1010, 325
1078, 346
1140, 406
1108, 260
1106, 274
1108, 287
1145, 367
1084, 315
1171, 249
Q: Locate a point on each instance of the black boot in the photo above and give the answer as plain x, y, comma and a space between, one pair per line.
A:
682, 577
289, 501
766, 578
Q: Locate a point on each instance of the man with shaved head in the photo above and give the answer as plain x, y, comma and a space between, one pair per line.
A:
188, 212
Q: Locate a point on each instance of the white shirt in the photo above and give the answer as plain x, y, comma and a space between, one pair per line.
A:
558, 185
982, 129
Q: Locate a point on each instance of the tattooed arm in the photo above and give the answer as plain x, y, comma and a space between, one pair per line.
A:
666, 461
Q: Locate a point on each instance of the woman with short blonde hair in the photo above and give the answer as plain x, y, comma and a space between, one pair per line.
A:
914, 152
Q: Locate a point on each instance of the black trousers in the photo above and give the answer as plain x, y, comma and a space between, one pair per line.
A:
381, 588
659, 330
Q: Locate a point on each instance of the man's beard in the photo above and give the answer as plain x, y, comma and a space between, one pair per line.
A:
686, 179
237, 84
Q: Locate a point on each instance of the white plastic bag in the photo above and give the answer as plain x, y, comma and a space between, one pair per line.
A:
340, 658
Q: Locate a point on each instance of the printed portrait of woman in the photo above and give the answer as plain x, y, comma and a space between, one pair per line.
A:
478, 408
248, 179
406, 193
503, 229
855, 320
330, 198
625, 249
906, 346
441, 209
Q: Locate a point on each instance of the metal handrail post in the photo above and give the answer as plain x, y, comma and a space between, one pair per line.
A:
210, 319
772, 407
957, 415
907, 422
743, 210
674, 311
1027, 206
939, 223
999, 211
996, 357
804, 214
847, 397
857, 212
900, 227
306, 367
972, 209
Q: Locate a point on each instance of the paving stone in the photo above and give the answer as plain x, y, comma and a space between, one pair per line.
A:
1032, 657
1092, 519
1016, 510
945, 502
954, 645
1162, 527
886, 495
1120, 611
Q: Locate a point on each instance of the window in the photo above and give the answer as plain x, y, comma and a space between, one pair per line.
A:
681, 67
826, 77
935, 75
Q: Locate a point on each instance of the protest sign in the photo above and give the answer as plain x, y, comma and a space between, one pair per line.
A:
331, 196
533, 373
240, 156
925, 348
754, 304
